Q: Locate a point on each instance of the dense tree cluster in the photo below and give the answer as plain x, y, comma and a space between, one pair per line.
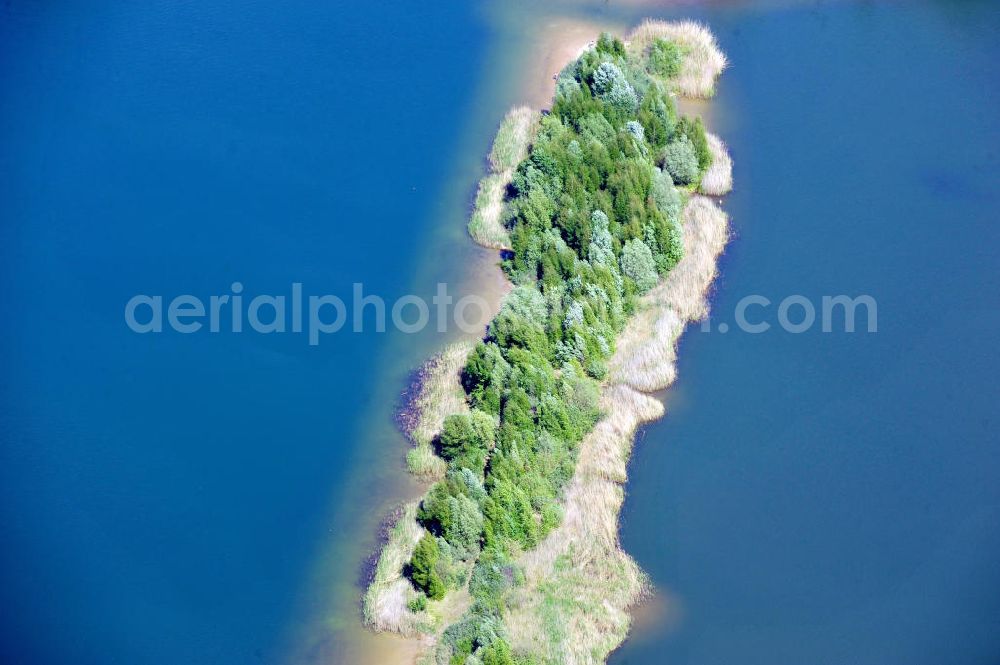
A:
594, 220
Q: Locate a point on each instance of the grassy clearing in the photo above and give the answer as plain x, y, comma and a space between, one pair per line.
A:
718, 177
703, 60
509, 147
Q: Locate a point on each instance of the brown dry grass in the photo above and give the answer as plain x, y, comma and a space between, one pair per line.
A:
718, 177
439, 396
646, 352
509, 147
384, 603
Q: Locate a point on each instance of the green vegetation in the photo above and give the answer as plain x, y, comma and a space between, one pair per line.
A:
665, 58
681, 160
694, 130
592, 219
701, 60
423, 567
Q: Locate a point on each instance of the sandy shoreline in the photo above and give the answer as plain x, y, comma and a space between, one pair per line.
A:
558, 41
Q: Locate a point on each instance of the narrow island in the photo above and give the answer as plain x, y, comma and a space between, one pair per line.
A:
601, 209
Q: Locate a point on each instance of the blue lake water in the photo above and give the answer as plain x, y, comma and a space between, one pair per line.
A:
199, 498
162, 496
832, 498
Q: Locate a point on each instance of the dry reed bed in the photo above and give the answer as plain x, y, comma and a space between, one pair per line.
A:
646, 352
384, 603
509, 147
573, 608
703, 60
718, 177
439, 395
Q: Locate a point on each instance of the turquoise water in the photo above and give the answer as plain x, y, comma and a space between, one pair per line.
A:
210, 498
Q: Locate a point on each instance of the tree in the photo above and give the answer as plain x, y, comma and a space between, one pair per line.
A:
637, 263
657, 116
622, 98
665, 195
466, 526
607, 43
600, 243
606, 77
422, 567
680, 160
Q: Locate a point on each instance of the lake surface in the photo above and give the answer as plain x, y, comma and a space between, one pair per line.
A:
164, 497
211, 498
832, 498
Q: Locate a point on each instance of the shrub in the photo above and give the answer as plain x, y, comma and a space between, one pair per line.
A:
665, 58
680, 160
491, 576
497, 653
418, 603
637, 263
423, 570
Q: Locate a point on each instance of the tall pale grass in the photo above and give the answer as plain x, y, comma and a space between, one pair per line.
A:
703, 60
509, 147
718, 177
486, 224
385, 602
511, 143
646, 351
439, 395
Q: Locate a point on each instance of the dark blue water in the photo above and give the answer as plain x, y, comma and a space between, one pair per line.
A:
162, 496
832, 498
